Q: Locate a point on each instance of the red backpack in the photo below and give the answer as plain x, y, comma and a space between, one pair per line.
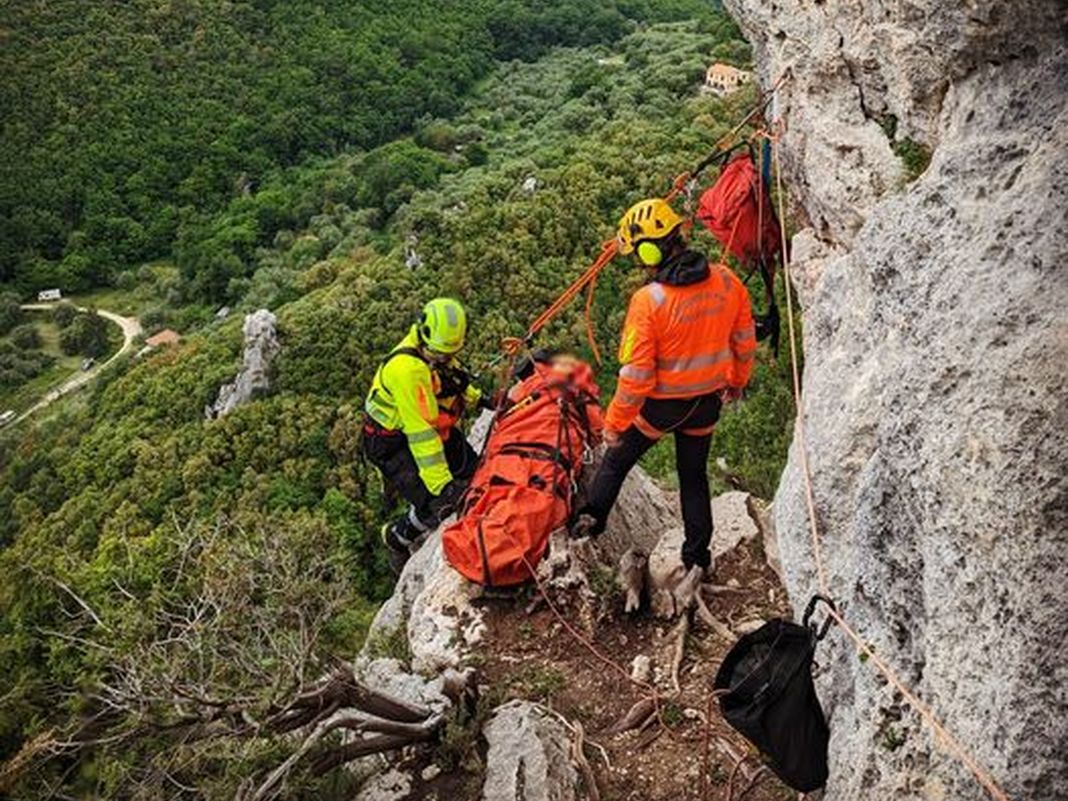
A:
523, 489
737, 210
731, 210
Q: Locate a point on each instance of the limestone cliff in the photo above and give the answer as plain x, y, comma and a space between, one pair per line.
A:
936, 348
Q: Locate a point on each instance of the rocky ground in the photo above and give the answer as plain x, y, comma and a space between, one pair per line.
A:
530, 655
560, 665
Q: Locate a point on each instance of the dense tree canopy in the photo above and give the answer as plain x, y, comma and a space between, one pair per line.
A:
128, 126
86, 334
10, 312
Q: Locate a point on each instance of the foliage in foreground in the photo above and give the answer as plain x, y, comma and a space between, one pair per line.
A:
198, 641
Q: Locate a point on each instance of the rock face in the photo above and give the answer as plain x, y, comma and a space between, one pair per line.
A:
935, 398
528, 757
261, 346
730, 517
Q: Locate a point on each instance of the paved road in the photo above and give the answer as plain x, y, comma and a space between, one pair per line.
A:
131, 327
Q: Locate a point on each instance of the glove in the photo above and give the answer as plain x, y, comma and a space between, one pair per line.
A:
448, 500
492, 402
585, 525
767, 327
730, 394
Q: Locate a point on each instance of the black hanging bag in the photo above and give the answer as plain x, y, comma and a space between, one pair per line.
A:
771, 700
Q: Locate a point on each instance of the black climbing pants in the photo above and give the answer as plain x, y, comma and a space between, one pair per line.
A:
691, 420
389, 452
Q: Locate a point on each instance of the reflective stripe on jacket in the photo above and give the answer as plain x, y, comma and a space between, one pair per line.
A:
683, 341
404, 397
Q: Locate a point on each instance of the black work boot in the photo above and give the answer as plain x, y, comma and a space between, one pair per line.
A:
585, 525
395, 536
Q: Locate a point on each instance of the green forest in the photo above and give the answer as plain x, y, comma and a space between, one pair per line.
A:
130, 128
340, 164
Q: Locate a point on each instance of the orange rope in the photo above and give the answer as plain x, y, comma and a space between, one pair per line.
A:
730, 241
589, 320
511, 345
925, 711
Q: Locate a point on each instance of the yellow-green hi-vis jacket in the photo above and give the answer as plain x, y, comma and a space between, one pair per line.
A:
408, 395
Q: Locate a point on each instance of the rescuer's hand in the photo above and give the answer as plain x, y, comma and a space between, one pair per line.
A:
611, 438
449, 500
492, 402
731, 394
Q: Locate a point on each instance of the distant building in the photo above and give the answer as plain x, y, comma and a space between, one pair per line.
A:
46, 295
722, 79
163, 338
222, 313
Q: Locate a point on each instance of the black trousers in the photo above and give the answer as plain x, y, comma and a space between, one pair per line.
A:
389, 452
677, 416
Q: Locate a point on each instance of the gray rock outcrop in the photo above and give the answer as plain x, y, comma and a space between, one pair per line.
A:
730, 516
935, 401
392, 785
261, 346
528, 757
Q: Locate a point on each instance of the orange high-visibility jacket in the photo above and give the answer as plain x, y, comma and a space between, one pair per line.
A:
681, 341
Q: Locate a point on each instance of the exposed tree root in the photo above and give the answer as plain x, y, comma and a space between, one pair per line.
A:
636, 716
380, 721
650, 737
738, 758
721, 589
578, 756
758, 777
706, 616
678, 648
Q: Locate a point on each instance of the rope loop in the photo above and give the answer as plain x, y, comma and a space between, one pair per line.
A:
510, 346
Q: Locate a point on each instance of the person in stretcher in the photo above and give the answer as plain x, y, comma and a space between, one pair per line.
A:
524, 486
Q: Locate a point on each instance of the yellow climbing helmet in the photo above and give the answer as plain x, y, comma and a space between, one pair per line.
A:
649, 219
443, 326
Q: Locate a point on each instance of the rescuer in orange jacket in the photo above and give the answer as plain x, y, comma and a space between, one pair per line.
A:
688, 345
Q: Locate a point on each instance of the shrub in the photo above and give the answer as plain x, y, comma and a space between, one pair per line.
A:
64, 314
10, 312
86, 335
19, 366
26, 336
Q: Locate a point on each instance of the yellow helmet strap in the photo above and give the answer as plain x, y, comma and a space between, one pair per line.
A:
649, 253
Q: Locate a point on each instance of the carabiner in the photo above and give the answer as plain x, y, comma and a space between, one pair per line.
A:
818, 631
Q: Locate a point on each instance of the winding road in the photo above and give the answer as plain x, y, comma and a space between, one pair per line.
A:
131, 328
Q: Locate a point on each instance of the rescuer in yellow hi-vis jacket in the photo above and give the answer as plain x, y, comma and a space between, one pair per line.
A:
418, 396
